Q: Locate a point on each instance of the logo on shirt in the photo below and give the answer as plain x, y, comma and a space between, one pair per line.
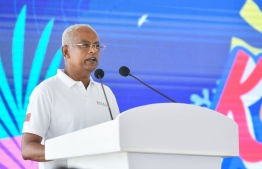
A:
101, 103
27, 117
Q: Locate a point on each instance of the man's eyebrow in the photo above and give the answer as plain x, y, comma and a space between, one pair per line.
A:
85, 41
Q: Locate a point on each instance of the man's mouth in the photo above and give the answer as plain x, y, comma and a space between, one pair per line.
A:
92, 59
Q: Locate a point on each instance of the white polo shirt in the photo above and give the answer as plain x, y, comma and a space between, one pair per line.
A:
60, 105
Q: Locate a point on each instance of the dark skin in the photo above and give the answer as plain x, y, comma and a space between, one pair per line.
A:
79, 64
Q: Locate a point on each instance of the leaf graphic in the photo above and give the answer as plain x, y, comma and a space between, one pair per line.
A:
8, 125
54, 64
38, 60
17, 55
10, 102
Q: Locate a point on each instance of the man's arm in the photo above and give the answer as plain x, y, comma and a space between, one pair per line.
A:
31, 147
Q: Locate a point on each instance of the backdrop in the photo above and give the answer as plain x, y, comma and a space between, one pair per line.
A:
206, 53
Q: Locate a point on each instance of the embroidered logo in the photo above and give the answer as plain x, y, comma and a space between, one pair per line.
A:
101, 103
27, 117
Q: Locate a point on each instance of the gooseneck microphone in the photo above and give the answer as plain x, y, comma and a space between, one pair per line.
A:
99, 74
124, 71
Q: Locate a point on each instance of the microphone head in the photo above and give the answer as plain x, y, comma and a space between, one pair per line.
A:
124, 71
99, 73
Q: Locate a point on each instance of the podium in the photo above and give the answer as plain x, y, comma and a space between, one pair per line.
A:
156, 136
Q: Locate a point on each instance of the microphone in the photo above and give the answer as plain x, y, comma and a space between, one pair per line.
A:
124, 71
99, 74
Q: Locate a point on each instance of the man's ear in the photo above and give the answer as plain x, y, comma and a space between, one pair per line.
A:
65, 51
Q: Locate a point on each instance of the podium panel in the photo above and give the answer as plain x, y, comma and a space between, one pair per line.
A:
151, 136
127, 160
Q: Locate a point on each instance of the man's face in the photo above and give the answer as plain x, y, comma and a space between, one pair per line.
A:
81, 58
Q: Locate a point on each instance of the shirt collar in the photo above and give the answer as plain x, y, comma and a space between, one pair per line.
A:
68, 80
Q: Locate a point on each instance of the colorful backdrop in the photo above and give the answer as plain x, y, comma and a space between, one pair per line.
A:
207, 53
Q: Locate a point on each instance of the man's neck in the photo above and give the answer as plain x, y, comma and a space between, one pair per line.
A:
84, 78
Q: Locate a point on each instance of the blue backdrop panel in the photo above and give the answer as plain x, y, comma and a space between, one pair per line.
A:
202, 52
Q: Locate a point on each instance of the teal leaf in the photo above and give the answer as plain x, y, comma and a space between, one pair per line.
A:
6, 89
54, 64
17, 52
10, 127
38, 60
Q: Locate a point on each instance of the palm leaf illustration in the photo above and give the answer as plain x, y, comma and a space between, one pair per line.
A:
13, 107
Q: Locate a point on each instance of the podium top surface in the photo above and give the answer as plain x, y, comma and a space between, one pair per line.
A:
171, 128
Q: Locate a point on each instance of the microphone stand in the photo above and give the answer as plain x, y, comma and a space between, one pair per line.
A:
105, 97
152, 88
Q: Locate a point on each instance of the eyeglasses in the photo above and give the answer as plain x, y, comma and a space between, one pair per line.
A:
88, 46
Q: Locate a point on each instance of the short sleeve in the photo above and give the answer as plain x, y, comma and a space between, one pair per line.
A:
37, 118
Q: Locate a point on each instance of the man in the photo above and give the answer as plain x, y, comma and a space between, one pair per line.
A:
68, 101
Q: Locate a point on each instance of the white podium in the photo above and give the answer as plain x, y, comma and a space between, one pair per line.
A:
157, 136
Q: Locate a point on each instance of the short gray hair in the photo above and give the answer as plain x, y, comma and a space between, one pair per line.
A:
67, 38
